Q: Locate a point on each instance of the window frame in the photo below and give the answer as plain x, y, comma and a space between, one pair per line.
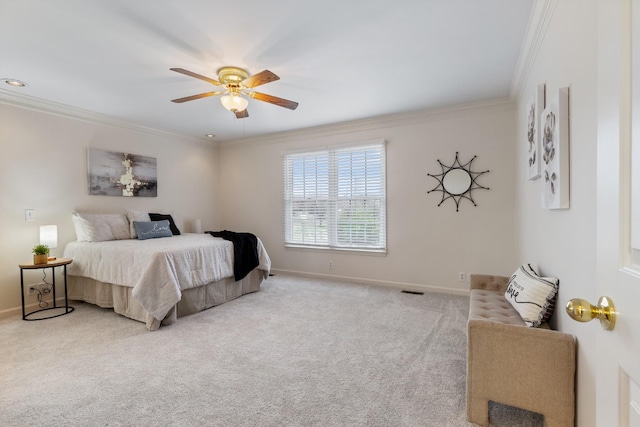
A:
372, 202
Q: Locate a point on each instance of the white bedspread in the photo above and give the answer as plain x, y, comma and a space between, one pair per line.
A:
157, 269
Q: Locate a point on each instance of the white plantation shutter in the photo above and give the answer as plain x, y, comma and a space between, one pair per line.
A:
335, 198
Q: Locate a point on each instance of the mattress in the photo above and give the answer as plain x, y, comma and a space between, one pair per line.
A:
157, 272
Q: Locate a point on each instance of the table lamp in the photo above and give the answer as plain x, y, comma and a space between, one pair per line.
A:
49, 237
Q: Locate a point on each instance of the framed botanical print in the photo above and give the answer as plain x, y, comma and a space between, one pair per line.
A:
534, 111
554, 125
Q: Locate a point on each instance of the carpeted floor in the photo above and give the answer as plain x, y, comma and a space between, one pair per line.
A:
301, 352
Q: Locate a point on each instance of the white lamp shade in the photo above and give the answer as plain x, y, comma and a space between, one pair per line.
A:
49, 235
234, 102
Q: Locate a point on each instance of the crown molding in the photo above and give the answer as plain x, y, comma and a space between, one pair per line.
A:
371, 123
537, 27
378, 122
49, 107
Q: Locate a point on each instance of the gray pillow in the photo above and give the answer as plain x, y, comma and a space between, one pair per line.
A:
136, 216
101, 227
152, 229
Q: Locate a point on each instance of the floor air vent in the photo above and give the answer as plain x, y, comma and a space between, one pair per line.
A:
412, 292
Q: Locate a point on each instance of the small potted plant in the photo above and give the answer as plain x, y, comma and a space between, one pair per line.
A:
40, 254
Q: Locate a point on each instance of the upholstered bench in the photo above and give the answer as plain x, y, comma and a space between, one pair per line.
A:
531, 368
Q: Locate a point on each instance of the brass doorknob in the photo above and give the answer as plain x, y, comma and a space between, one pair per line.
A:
583, 311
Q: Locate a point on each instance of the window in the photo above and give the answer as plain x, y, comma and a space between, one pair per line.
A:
335, 198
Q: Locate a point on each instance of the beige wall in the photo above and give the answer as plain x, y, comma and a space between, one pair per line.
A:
43, 166
562, 243
239, 187
427, 245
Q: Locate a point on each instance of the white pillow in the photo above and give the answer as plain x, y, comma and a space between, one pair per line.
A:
136, 216
77, 225
532, 296
102, 227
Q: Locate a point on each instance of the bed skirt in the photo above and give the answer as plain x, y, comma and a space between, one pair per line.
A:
193, 300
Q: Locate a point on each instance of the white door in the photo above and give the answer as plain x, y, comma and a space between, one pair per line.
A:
618, 212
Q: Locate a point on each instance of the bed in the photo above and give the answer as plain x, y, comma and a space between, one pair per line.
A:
158, 280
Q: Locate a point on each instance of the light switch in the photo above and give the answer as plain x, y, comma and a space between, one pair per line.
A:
30, 214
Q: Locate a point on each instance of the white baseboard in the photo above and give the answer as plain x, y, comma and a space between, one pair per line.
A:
17, 311
413, 287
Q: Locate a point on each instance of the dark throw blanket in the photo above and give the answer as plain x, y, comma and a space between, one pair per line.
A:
245, 251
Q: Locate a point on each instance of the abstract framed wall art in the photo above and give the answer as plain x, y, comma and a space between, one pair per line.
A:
554, 126
121, 174
534, 111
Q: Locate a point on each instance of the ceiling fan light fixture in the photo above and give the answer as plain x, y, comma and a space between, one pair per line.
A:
234, 103
235, 81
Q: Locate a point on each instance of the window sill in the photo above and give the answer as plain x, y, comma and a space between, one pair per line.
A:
373, 252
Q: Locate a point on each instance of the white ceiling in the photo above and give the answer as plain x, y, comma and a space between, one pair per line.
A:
342, 60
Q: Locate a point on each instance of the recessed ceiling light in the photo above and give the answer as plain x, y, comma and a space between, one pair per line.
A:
209, 135
14, 82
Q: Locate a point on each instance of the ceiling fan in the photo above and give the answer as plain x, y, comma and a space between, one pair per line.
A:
235, 82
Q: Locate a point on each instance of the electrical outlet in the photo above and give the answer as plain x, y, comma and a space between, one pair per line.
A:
42, 288
462, 277
330, 265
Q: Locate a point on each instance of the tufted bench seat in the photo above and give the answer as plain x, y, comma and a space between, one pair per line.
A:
510, 363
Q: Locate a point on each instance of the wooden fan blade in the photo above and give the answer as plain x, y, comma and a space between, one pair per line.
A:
261, 78
192, 97
197, 76
242, 114
281, 102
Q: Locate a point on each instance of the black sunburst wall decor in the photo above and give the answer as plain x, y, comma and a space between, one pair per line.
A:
457, 181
